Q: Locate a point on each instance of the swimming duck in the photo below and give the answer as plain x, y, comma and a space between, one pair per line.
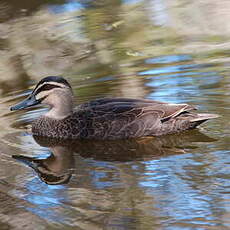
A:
106, 118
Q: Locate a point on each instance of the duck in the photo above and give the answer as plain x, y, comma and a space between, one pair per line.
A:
105, 118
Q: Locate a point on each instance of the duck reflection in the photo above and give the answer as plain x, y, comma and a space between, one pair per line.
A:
56, 168
59, 166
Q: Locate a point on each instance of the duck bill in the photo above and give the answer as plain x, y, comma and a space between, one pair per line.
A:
30, 101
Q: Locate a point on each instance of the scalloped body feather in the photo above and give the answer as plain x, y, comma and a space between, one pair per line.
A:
120, 118
107, 118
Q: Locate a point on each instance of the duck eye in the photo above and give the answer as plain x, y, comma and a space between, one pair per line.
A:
49, 86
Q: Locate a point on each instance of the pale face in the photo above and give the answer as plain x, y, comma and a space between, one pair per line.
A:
53, 91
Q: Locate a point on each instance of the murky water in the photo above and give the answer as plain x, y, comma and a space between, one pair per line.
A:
176, 52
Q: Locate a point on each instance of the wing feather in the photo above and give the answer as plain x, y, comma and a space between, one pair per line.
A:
123, 117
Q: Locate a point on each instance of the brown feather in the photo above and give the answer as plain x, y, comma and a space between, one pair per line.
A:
117, 118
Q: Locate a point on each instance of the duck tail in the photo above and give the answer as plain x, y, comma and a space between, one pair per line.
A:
202, 117
199, 118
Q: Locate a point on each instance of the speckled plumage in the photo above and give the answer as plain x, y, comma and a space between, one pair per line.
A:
119, 118
107, 118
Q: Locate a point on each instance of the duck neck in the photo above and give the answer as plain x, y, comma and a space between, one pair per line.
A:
61, 105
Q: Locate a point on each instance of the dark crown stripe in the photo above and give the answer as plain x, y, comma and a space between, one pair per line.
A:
46, 87
54, 79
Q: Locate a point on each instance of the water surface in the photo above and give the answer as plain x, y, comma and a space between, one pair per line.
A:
138, 49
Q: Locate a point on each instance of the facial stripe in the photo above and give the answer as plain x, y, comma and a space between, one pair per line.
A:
48, 83
41, 95
56, 79
45, 87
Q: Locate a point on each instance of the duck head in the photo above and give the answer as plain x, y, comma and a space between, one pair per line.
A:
53, 91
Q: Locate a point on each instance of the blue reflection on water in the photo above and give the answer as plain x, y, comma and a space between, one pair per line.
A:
179, 195
73, 5
179, 83
168, 59
103, 79
100, 178
181, 87
184, 74
49, 194
170, 69
69, 6
131, 1
45, 198
184, 80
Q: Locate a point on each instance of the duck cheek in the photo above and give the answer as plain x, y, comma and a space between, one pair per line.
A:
47, 101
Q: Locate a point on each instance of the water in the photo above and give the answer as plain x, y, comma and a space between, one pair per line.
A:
171, 51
